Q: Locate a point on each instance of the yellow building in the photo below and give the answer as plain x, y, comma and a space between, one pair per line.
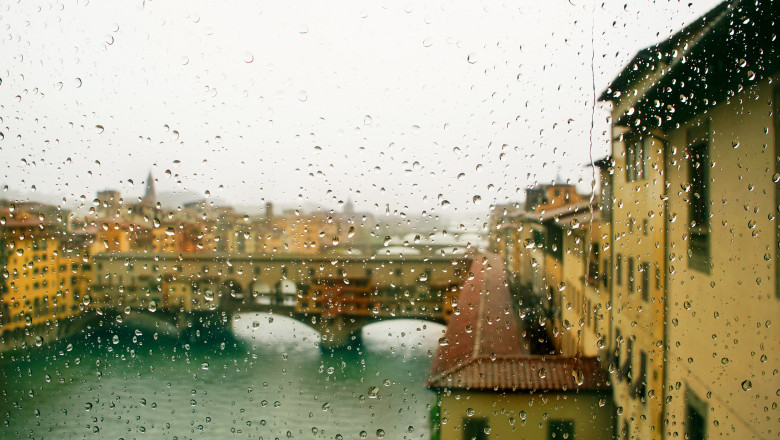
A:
695, 231
164, 238
530, 242
490, 385
584, 299
75, 271
32, 294
110, 236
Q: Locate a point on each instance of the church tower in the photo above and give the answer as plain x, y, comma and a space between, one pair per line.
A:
349, 208
150, 196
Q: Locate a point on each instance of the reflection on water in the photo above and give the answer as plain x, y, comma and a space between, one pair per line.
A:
270, 381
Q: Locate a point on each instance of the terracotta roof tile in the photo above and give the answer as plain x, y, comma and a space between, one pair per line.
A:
482, 348
524, 373
484, 322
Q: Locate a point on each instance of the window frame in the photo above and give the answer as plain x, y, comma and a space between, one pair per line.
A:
699, 234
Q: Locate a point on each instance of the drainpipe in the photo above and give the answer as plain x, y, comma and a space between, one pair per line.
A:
665, 267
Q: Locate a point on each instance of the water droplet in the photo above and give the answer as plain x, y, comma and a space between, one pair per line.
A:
472, 58
248, 57
38, 341
579, 378
542, 373
747, 385
99, 129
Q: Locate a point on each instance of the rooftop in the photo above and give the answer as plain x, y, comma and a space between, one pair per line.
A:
524, 373
482, 348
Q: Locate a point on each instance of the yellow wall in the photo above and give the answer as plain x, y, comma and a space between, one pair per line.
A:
526, 416
638, 234
584, 315
37, 291
725, 323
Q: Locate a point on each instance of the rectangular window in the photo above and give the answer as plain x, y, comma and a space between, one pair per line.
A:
589, 313
698, 198
593, 265
645, 270
560, 429
647, 150
695, 417
625, 369
538, 238
619, 270
630, 275
640, 385
635, 160
630, 161
554, 244
474, 428
658, 281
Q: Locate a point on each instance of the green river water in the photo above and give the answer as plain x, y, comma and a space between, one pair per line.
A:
267, 380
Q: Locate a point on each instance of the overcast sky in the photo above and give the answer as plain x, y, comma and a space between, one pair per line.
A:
407, 104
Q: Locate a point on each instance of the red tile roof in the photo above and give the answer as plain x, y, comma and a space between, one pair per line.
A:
14, 218
482, 348
484, 322
524, 373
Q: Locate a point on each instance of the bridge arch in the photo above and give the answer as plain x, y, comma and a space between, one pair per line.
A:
231, 289
206, 293
287, 293
411, 333
262, 293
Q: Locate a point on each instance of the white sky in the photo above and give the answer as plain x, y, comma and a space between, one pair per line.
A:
386, 102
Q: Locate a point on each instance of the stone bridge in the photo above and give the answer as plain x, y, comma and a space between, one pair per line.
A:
335, 295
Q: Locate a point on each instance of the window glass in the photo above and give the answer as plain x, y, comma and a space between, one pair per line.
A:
389, 220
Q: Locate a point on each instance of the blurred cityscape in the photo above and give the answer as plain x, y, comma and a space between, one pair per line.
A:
642, 310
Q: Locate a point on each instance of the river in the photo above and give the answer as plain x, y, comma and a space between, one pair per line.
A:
267, 380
